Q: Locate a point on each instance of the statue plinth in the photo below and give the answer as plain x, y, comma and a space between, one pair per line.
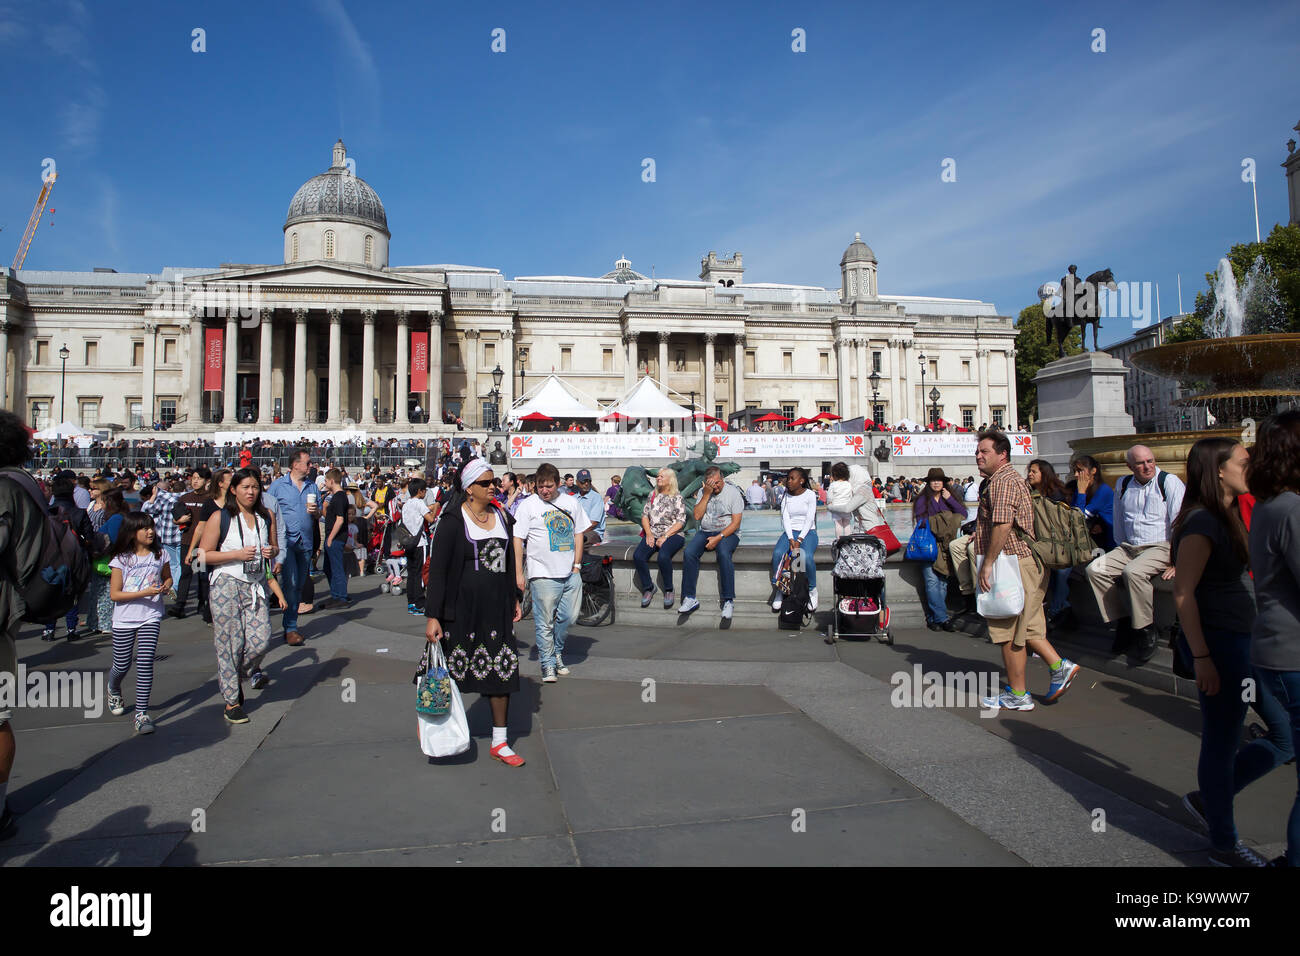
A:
1080, 396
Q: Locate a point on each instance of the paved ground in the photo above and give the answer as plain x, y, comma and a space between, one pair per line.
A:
759, 746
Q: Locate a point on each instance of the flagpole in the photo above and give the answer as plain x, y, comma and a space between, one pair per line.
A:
1180, 293
1255, 197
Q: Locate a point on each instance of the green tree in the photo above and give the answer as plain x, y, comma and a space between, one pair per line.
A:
1034, 350
1281, 250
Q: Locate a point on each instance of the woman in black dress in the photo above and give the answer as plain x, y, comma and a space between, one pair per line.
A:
471, 595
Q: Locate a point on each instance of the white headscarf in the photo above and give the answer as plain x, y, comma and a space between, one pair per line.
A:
473, 468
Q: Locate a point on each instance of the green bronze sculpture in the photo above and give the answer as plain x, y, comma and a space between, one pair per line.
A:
638, 481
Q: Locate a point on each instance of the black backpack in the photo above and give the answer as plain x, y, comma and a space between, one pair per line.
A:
794, 606
54, 586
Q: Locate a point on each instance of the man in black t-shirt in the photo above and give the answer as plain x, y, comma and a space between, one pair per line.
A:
335, 536
186, 513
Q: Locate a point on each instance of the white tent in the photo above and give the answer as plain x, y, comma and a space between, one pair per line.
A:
905, 425
556, 399
645, 400
66, 430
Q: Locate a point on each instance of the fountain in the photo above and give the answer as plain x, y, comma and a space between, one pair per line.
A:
1247, 370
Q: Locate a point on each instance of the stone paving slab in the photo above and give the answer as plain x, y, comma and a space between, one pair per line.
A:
525, 851
597, 703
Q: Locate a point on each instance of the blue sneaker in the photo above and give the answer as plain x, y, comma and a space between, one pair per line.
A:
413, 609
1008, 701
1061, 678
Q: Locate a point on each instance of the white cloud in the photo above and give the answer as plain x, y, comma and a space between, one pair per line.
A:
363, 75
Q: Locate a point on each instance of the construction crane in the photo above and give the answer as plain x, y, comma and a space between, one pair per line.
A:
46, 188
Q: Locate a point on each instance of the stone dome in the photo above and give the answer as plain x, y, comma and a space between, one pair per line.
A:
337, 195
623, 272
858, 251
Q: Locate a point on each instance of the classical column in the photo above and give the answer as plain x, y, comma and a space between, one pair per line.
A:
402, 391
508, 379
738, 369
1009, 421
333, 415
629, 370
663, 358
862, 400
898, 404
473, 414
841, 376
4, 364
150, 362
265, 414
229, 412
368, 366
435, 367
709, 337
198, 361
300, 366
982, 414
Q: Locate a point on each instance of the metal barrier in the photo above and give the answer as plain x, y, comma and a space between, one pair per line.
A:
91, 460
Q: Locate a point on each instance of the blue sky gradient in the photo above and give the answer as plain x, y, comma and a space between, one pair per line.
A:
530, 160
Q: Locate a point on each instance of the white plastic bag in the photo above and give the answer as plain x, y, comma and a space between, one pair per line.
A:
1006, 598
448, 735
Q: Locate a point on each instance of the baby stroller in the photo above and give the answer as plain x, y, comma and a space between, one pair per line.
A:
858, 583
391, 557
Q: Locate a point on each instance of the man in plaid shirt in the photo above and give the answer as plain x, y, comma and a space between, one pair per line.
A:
1005, 512
158, 505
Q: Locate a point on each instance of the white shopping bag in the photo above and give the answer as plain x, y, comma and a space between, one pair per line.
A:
448, 735
1007, 596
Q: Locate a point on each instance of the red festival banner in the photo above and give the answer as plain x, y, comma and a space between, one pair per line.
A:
213, 360
419, 361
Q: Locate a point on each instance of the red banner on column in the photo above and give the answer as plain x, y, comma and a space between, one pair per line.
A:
419, 361
213, 360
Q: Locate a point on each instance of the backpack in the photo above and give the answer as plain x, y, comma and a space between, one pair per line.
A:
1161, 477
61, 576
794, 605
1061, 538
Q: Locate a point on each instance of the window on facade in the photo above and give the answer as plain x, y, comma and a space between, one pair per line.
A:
89, 414
169, 351
749, 364
566, 360
787, 362
294, 255
135, 413
167, 411
719, 411
825, 363
92, 354
453, 406
679, 360
965, 370
489, 355
875, 361
997, 417
878, 413
824, 407
40, 414
42, 352
934, 368
967, 417
453, 354
751, 404
607, 360
370, 250
329, 243
137, 354
787, 411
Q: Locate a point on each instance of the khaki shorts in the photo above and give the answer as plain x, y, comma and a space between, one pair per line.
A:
8, 665
1031, 624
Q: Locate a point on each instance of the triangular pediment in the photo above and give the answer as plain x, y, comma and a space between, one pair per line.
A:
316, 273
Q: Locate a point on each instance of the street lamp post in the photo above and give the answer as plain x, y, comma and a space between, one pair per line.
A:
934, 417
693, 422
874, 378
64, 355
921, 359
497, 375
523, 355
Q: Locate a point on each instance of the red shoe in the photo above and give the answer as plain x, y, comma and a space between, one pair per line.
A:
514, 760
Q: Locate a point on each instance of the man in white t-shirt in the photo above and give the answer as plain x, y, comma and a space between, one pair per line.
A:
416, 518
551, 524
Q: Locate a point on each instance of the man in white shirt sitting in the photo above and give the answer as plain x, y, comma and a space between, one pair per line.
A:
1123, 580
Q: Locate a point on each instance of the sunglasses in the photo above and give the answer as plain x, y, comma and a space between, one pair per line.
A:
485, 483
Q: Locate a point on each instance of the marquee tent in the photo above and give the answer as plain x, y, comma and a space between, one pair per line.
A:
645, 400
66, 430
556, 399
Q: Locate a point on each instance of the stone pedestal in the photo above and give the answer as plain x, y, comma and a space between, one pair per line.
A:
1081, 396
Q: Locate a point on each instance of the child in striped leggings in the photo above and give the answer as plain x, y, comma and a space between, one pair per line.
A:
140, 577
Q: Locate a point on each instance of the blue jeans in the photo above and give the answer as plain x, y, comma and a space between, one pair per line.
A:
936, 595
642, 561
297, 565
334, 571
555, 607
1284, 689
726, 568
174, 559
1221, 720
809, 545
1058, 591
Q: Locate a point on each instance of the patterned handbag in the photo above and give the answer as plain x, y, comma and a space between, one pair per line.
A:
433, 684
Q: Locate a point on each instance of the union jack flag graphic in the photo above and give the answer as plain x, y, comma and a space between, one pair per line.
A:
854, 444
670, 442
901, 442
1026, 442
722, 441
518, 443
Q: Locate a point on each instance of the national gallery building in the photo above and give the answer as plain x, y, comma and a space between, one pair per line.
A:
336, 338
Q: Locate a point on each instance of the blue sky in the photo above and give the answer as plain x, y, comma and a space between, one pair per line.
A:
531, 160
